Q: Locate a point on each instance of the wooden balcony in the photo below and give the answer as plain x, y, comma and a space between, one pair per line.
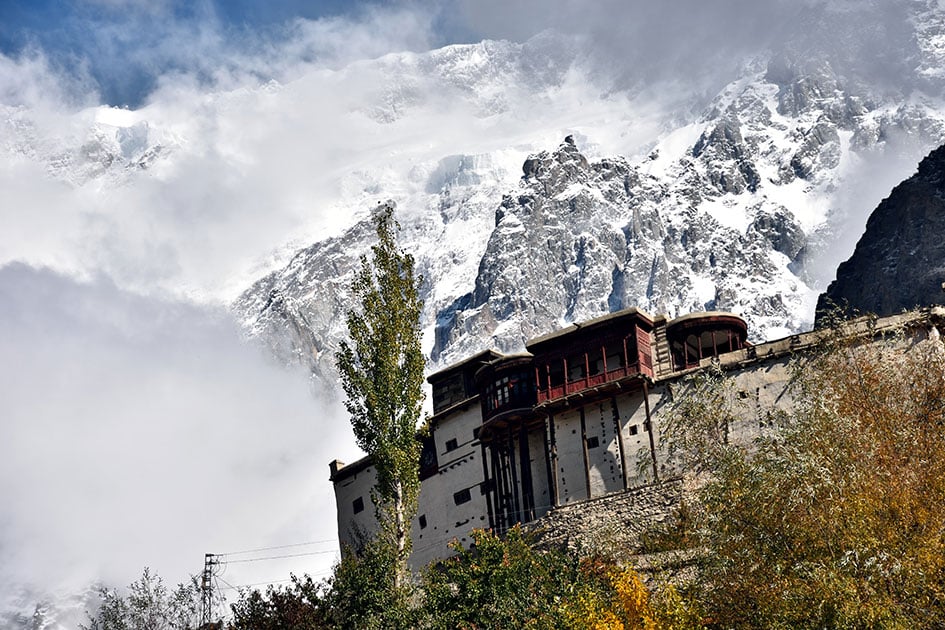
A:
594, 380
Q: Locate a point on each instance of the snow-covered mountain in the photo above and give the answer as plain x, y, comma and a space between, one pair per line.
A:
537, 182
102, 147
666, 197
744, 206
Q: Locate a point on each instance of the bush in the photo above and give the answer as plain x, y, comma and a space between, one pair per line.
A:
147, 606
835, 520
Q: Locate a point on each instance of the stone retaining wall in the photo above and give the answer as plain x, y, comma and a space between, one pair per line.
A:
608, 522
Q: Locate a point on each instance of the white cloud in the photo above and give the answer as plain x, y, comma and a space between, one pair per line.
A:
115, 392
30, 81
140, 431
254, 166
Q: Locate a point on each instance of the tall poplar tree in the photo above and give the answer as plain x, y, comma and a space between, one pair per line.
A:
381, 372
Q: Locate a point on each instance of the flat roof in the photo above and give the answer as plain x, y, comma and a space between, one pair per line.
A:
483, 357
347, 470
592, 323
704, 315
863, 326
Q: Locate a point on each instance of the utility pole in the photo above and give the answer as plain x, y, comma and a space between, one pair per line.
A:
206, 589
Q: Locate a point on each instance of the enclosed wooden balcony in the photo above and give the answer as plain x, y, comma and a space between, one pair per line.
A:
507, 390
592, 354
699, 336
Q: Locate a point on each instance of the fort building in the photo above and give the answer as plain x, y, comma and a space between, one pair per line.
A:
571, 428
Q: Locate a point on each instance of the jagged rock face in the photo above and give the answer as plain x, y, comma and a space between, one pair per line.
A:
299, 311
697, 229
899, 262
730, 210
580, 239
727, 158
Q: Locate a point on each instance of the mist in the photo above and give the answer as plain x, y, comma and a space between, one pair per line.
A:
140, 431
137, 426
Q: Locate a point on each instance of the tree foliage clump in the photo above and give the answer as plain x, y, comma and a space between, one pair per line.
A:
299, 606
500, 582
360, 595
505, 582
148, 605
835, 519
381, 370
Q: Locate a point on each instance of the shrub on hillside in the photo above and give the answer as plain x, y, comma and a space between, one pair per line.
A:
835, 520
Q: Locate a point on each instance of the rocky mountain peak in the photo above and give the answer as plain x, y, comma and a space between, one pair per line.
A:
899, 262
549, 167
726, 211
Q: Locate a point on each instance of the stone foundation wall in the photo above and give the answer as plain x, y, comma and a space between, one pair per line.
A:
608, 522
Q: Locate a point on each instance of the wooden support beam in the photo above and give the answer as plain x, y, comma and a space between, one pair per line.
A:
649, 430
487, 486
553, 461
621, 447
587, 465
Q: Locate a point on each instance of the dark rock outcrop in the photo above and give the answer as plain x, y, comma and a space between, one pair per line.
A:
899, 262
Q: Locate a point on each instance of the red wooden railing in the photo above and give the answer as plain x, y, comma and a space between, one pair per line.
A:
573, 387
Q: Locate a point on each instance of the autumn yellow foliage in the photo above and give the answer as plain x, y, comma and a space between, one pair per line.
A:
836, 519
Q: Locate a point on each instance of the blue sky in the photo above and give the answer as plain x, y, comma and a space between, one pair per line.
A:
112, 282
120, 48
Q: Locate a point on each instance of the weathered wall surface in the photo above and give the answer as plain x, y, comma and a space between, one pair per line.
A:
610, 521
451, 502
356, 516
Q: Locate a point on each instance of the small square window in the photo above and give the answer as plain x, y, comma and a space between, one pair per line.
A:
593, 442
462, 496
423, 521
358, 505
634, 429
451, 445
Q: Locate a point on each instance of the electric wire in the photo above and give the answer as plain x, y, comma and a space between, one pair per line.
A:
301, 544
291, 555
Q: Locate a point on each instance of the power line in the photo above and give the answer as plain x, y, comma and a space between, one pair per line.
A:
301, 544
291, 555
228, 585
236, 588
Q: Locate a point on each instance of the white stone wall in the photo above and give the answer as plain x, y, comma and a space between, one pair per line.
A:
348, 491
444, 512
570, 470
605, 469
460, 472
539, 467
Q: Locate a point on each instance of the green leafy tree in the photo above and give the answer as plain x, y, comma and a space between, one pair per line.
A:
381, 371
500, 582
835, 519
358, 596
361, 595
299, 606
148, 605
